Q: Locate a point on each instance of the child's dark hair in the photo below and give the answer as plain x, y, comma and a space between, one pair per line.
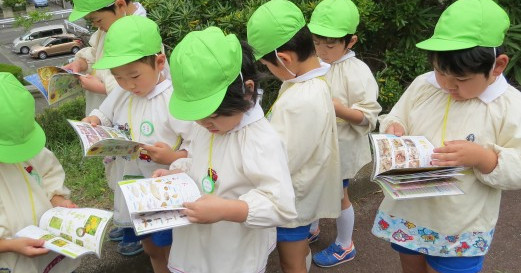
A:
346, 39
150, 60
301, 44
234, 101
112, 8
476, 60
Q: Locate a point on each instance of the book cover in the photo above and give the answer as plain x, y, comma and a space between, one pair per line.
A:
55, 83
407, 160
71, 232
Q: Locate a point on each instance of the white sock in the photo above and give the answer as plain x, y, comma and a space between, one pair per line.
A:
344, 227
308, 261
314, 227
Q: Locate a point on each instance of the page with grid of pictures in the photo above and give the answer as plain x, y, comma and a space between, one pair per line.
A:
154, 203
71, 232
104, 141
407, 159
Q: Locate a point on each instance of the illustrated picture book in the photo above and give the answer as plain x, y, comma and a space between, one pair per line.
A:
154, 204
71, 232
104, 141
402, 167
55, 83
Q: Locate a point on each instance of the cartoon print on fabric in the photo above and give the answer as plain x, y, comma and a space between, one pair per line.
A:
481, 243
462, 248
401, 236
428, 235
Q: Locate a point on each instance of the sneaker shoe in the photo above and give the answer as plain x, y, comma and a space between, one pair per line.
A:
129, 249
334, 255
116, 234
313, 237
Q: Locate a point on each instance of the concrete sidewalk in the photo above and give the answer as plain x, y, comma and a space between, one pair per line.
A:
373, 254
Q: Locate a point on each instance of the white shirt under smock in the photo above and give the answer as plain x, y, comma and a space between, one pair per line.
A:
93, 53
45, 176
150, 122
352, 82
304, 117
251, 165
492, 120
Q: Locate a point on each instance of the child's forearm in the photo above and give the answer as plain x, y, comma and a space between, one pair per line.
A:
350, 115
489, 161
5, 245
235, 211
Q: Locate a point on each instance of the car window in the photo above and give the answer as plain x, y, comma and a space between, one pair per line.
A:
35, 35
57, 31
47, 33
46, 41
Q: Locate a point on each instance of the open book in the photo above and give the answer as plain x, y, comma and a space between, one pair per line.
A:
71, 232
105, 141
55, 83
155, 203
402, 167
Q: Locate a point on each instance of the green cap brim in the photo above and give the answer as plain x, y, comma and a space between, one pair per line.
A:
75, 15
108, 62
325, 31
25, 151
196, 110
436, 44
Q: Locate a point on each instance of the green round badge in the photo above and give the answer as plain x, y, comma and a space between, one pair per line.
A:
146, 128
207, 184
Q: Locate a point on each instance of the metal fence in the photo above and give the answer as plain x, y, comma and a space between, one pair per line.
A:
8, 22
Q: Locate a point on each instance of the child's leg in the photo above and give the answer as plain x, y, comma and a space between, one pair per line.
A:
413, 263
293, 255
345, 223
314, 232
158, 255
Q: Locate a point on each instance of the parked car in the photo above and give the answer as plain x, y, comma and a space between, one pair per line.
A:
54, 45
40, 3
36, 36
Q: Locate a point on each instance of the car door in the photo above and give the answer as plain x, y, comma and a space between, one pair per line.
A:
52, 48
63, 45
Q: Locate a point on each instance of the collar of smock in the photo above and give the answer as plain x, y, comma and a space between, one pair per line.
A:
254, 114
317, 72
346, 56
493, 91
160, 88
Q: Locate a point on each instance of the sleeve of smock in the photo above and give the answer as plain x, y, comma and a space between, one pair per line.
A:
106, 110
183, 130
89, 53
293, 120
51, 172
271, 202
108, 80
363, 93
400, 111
183, 164
507, 174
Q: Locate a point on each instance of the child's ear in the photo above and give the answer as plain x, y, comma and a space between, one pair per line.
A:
501, 65
249, 85
160, 61
286, 57
352, 42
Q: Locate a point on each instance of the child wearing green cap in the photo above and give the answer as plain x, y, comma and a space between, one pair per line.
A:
236, 157
281, 40
355, 91
102, 13
132, 52
31, 182
467, 108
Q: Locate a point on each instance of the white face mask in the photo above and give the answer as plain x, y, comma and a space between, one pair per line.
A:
283, 65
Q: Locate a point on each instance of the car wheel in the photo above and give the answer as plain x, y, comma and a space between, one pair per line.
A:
24, 50
42, 55
75, 49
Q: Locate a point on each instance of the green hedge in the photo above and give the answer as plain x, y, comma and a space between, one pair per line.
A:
13, 69
387, 33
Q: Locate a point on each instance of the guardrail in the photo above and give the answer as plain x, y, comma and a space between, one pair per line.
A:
8, 22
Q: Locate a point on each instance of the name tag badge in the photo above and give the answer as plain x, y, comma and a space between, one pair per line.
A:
207, 184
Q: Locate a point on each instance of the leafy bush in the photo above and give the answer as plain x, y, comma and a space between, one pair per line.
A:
13, 69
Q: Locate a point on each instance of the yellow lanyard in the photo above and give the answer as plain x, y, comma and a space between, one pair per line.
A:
24, 173
445, 118
130, 118
210, 156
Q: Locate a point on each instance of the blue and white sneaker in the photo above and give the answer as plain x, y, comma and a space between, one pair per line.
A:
116, 234
129, 248
313, 237
334, 255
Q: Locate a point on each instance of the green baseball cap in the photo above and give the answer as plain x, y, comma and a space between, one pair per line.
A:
21, 138
334, 18
203, 65
468, 23
83, 7
272, 25
129, 38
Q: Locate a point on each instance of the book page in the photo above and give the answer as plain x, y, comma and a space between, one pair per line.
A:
53, 242
420, 189
104, 141
34, 79
63, 85
145, 223
81, 226
159, 194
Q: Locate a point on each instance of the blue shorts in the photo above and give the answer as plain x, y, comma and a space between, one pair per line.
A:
447, 264
345, 183
161, 238
293, 234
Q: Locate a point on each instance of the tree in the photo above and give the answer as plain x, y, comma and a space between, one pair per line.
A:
31, 18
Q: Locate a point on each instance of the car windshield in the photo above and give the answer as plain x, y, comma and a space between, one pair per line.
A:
25, 36
46, 41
